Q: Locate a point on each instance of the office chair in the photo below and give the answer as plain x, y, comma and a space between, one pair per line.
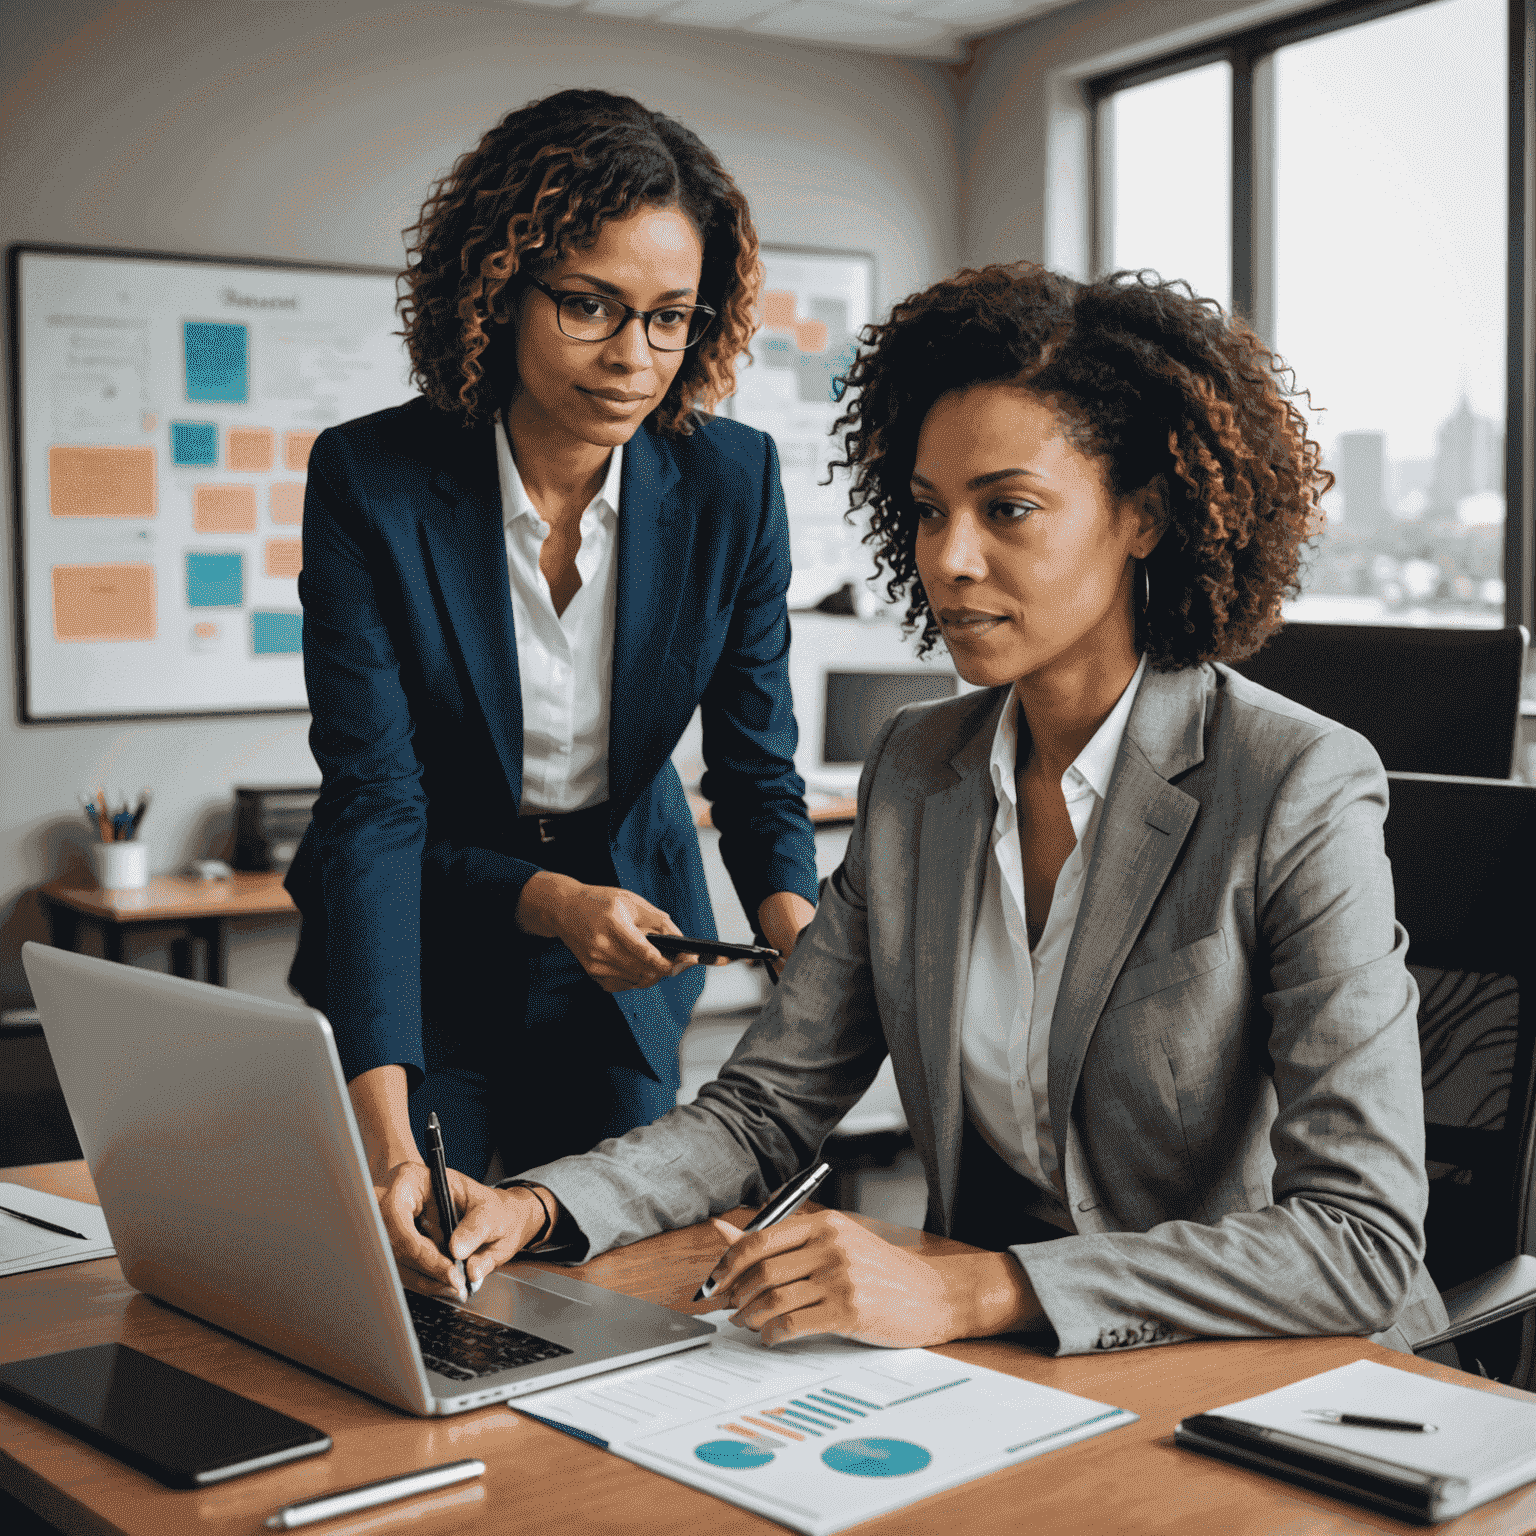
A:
1463, 854
1429, 700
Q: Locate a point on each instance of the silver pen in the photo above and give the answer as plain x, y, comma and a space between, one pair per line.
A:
784, 1201
329, 1505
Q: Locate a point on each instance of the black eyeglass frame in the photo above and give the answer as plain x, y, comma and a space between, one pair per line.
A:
558, 295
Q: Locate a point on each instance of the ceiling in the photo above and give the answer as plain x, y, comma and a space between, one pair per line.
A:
925, 29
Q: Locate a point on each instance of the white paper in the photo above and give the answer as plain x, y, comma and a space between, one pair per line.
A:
24, 1247
821, 1434
1479, 1435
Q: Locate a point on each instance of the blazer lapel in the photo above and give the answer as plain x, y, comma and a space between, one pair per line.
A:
951, 862
649, 587
466, 548
1142, 827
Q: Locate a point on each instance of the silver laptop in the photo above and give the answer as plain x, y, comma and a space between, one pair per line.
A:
229, 1168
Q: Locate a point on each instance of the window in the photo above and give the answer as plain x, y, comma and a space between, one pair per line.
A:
1341, 180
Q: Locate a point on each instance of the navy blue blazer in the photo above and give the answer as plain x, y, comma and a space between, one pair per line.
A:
406, 879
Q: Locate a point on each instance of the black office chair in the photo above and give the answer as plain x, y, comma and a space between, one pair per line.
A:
1429, 700
1463, 855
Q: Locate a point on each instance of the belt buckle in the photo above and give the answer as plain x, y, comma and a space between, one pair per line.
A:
546, 829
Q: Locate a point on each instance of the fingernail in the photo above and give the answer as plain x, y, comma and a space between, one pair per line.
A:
475, 1287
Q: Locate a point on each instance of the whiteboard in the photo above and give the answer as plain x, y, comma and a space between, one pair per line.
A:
812, 307
164, 409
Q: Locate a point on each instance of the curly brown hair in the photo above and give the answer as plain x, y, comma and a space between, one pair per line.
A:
1166, 391
537, 186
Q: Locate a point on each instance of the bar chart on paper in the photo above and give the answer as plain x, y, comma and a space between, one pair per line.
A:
823, 1434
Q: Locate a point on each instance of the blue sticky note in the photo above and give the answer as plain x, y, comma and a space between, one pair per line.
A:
216, 356
275, 632
194, 442
215, 581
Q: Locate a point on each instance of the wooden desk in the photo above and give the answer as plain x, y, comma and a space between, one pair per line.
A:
1130, 1482
199, 909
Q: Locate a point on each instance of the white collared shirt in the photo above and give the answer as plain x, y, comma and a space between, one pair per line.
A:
1010, 993
564, 660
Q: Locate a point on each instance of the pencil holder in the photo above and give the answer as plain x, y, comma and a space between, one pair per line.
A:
120, 866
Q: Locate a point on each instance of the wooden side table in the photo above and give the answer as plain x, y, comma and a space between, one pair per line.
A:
196, 909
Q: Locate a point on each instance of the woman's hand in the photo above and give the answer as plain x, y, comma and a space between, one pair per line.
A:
604, 927
780, 919
494, 1224
825, 1273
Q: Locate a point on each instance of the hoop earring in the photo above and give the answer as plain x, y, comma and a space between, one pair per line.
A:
1146, 588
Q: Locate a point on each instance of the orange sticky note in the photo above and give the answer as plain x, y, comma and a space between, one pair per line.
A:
296, 446
285, 557
811, 335
224, 508
101, 482
250, 448
288, 502
104, 602
778, 310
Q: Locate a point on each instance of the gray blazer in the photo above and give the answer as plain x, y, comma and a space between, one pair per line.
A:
1234, 1051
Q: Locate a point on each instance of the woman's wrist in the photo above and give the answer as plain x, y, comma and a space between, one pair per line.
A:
540, 907
989, 1293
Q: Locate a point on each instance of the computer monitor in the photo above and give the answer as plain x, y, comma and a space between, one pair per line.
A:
848, 677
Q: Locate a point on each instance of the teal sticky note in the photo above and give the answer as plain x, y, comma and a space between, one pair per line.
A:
194, 442
217, 360
215, 581
277, 632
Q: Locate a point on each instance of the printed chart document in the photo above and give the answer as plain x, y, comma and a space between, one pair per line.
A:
1483, 1443
821, 1434
24, 1247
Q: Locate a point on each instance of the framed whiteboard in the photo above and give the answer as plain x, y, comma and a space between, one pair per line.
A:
814, 304
163, 408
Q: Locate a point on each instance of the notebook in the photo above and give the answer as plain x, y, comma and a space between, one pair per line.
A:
24, 1247
1482, 1443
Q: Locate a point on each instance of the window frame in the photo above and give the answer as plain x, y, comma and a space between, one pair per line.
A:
1250, 53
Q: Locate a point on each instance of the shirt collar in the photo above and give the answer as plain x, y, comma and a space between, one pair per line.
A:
514, 499
1093, 765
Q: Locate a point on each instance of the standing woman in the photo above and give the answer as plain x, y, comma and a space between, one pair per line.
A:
517, 589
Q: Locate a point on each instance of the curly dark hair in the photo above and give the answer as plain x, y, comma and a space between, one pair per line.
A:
1163, 388
537, 186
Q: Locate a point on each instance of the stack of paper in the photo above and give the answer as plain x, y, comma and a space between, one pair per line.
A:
26, 1247
822, 1434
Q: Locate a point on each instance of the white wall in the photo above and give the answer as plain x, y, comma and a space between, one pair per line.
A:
311, 131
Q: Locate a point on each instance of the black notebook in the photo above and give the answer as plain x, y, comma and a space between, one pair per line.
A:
1476, 1443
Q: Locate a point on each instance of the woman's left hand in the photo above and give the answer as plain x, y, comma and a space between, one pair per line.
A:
825, 1273
780, 918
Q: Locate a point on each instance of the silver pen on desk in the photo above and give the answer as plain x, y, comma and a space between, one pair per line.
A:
784, 1201
329, 1505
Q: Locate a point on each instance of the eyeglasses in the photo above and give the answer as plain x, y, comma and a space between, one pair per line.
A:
596, 317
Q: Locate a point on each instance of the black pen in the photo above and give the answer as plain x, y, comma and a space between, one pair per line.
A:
447, 1215
1369, 1421
784, 1201
47, 1226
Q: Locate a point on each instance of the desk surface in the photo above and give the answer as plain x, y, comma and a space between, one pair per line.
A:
1133, 1480
172, 898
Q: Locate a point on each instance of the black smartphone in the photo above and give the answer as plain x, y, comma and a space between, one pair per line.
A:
184, 1431
710, 949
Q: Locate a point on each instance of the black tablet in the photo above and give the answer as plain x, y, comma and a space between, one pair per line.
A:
181, 1430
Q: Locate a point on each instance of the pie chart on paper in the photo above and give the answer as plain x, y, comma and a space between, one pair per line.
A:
876, 1458
734, 1455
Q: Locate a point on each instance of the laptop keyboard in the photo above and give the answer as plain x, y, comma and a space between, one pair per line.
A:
463, 1345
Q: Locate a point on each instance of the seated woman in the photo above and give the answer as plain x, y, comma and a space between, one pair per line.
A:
1122, 919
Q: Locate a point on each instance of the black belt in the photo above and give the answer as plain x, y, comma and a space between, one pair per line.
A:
538, 835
